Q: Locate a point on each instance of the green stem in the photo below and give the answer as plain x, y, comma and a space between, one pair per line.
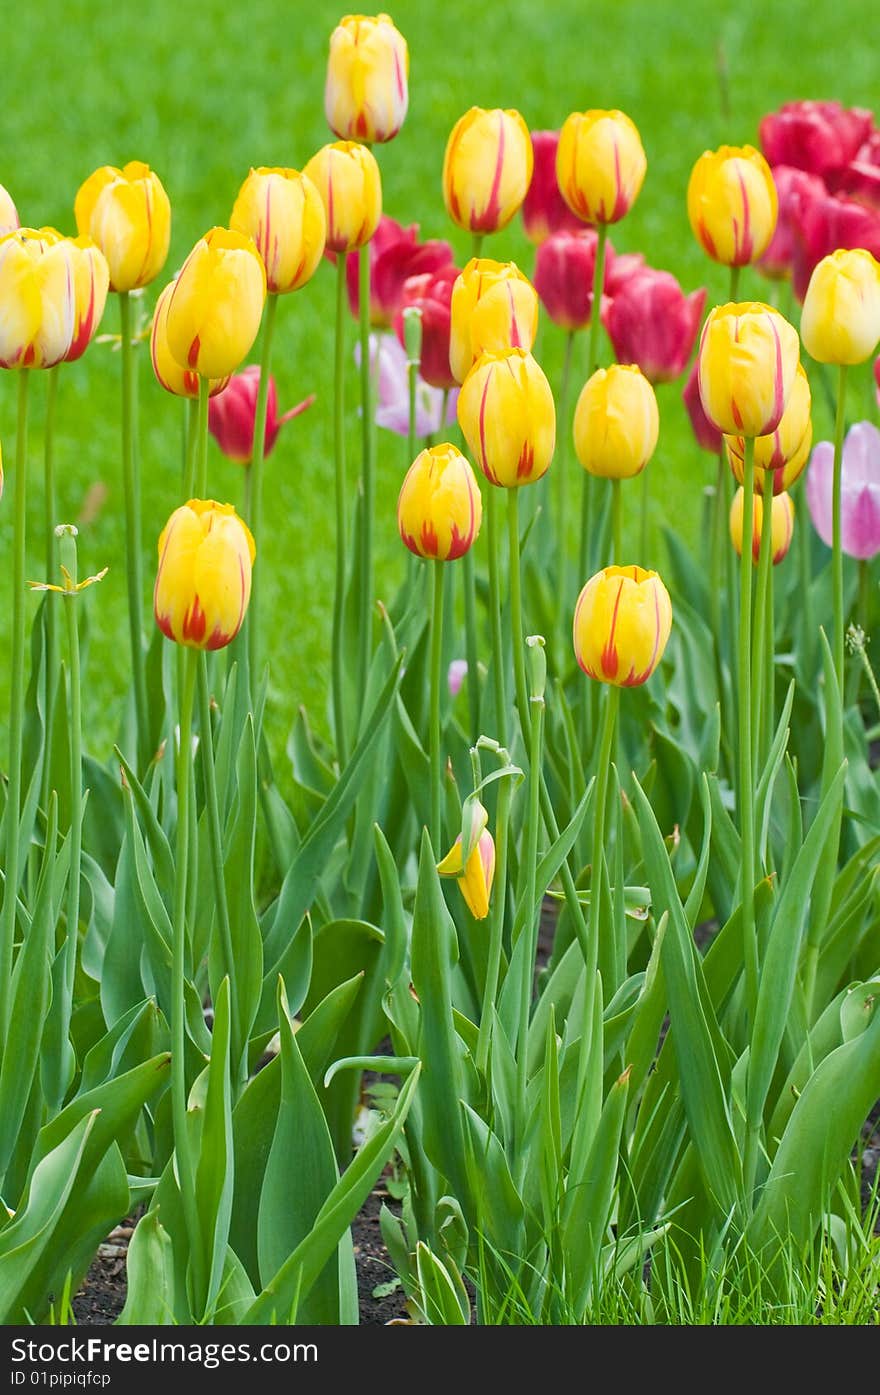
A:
477, 244
603, 772
133, 552
258, 450
769, 672
68, 551
734, 282
598, 287
760, 717
561, 467
470, 641
247, 491
341, 527
436, 680
516, 616
496, 923
616, 524
367, 472
746, 786
200, 483
51, 571
643, 520
532, 917
498, 675
188, 475
836, 546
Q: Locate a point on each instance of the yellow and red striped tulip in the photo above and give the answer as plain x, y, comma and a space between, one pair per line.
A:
622, 622
183, 382
347, 179
616, 422
781, 525
748, 361
282, 211
786, 450
366, 93
487, 169
9, 219
440, 508
127, 213
732, 204
840, 321
216, 304
91, 281
203, 584
38, 298
508, 416
600, 165
494, 307
475, 879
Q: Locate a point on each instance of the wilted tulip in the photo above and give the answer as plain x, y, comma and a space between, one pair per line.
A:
203, 584
282, 212
216, 304
487, 169
781, 525
395, 255
38, 299
786, 450
440, 509
507, 414
600, 165
747, 365
347, 178
183, 382
431, 295
91, 280
9, 219
565, 265
366, 94
544, 210
815, 136
616, 422
622, 622
652, 323
127, 213
859, 493
474, 880
706, 433
494, 307
795, 191
840, 322
732, 204
232, 413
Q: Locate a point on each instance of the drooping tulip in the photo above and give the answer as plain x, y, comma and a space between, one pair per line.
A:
840, 322
38, 298
652, 323
814, 136
203, 583
431, 294
859, 495
475, 879
281, 211
622, 623
347, 178
786, 450
565, 266
395, 255
183, 382
232, 412
487, 169
216, 304
748, 361
507, 414
366, 93
544, 210
494, 307
91, 281
600, 165
781, 525
439, 509
732, 204
616, 422
127, 213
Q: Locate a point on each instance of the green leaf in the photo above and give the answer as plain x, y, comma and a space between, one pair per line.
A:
246, 970
215, 1169
149, 1270
589, 1196
441, 1298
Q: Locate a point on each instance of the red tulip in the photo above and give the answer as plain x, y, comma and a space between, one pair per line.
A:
544, 210
815, 136
795, 189
826, 224
232, 413
395, 255
707, 434
860, 180
622, 269
651, 322
564, 269
432, 293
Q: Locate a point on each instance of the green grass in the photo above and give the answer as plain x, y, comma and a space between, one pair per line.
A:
204, 92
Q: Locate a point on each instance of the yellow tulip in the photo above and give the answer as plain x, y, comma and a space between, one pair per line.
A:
600, 165
840, 321
91, 281
216, 305
37, 296
347, 179
786, 450
781, 524
8, 213
747, 365
474, 880
440, 508
507, 414
494, 307
732, 204
621, 625
127, 213
366, 94
183, 382
203, 583
616, 422
487, 169
283, 213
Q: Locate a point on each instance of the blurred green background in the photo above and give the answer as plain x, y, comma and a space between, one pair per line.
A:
202, 92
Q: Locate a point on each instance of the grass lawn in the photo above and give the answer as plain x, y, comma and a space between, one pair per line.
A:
204, 92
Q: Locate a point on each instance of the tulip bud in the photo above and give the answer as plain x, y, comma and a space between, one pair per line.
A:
706, 433
781, 524
431, 294
37, 296
183, 382
440, 508
732, 204
651, 322
216, 304
347, 177
232, 414
91, 281
840, 322
564, 272
544, 210
494, 307
203, 584
621, 625
396, 255
366, 95
474, 878
786, 450
600, 165
748, 361
487, 169
616, 422
9, 220
127, 213
507, 414
281, 210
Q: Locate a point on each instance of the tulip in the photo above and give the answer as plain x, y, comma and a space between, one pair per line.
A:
183, 382
127, 213
494, 307
507, 414
732, 204
431, 295
347, 178
826, 224
859, 495
395, 255
621, 625
877, 378
565, 267
487, 169
38, 298
9, 220
281, 210
232, 413
616, 422
814, 136
706, 433
795, 191
455, 676
91, 281
652, 323
217, 303
781, 525
841, 316
544, 210
600, 165
784, 451
475, 879
366, 95
203, 583
748, 362
440, 509
860, 180
389, 371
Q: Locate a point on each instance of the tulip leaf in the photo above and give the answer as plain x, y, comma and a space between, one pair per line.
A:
215, 1169
149, 1271
443, 1302
589, 1196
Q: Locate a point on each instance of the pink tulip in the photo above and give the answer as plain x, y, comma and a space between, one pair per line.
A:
232, 415
795, 189
860, 180
388, 360
651, 322
824, 225
707, 435
456, 676
432, 294
860, 491
544, 210
814, 136
564, 269
395, 255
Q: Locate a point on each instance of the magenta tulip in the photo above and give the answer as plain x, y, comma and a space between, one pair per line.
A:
432, 295
544, 210
795, 190
395, 255
232, 413
651, 322
564, 268
814, 136
706, 433
826, 224
860, 491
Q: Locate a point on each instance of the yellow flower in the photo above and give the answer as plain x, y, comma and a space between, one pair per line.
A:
747, 366
91, 281
127, 213
616, 422
440, 508
8, 213
781, 525
786, 450
487, 169
840, 321
600, 165
366, 94
622, 622
283, 213
494, 307
732, 204
184, 382
474, 880
507, 414
347, 179
216, 305
203, 584
37, 296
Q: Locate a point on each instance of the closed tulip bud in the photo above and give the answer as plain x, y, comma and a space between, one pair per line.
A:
616, 422
91, 281
651, 322
494, 307
796, 190
840, 322
347, 178
440, 509
748, 362
431, 295
732, 204
781, 524
233, 411
600, 165
216, 304
396, 255
544, 210
281, 210
622, 622
38, 299
507, 414
9, 220
487, 169
366, 93
564, 270
127, 213
787, 449
476, 877
203, 584
183, 382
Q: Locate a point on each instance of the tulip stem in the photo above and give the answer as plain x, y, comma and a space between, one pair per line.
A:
598, 287
434, 738
201, 451
746, 784
51, 569
477, 244
531, 919
367, 504
133, 556
734, 282
836, 544
258, 451
496, 923
761, 716
16, 704
499, 684
69, 600
341, 529
616, 523
563, 438
516, 617
188, 478
470, 642
600, 795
